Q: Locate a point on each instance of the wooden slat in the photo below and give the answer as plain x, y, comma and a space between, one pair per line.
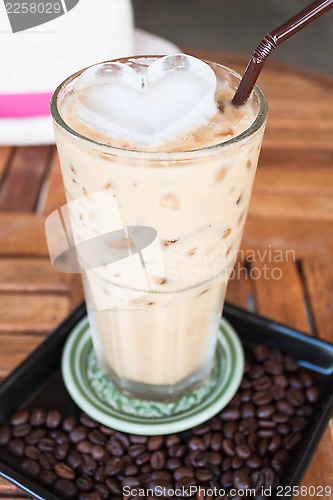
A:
320, 471
54, 188
14, 348
316, 207
293, 181
32, 275
305, 237
76, 296
287, 158
318, 276
33, 312
22, 235
279, 293
20, 189
5, 153
8, 489
240, 291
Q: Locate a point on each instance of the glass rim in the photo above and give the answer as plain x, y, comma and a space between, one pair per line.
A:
256, 125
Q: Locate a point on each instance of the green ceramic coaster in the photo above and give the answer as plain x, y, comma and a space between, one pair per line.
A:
96, 395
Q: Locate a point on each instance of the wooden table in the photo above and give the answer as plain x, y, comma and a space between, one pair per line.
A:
291, 211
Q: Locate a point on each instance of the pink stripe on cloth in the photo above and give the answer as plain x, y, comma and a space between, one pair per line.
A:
25, 105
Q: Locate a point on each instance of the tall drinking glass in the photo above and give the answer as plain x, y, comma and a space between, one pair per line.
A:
157, 340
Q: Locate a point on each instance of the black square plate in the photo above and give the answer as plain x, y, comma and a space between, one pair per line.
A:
37, 382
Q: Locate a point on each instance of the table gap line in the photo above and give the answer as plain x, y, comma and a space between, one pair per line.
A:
307, 301
45, 182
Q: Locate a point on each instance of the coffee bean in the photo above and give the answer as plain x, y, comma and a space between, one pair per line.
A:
283, 429
45, 461
278, 393
5, 435
186, 483
304, 411
37, 417
266, 433
198, 458
84, 447
273, 367
230, 414
158, 485
31, 467
173, 463
99, 475
280, 418
183, 472
177, 451
281, 380
265, 411
248, 410
306, 379
289, 442
274, 444
312, 394
84, 483
296, 382
102, 492
155, 443
239, 439
32, 452
298, 424
93, 495
216, 442
243, 451
114, 447
253, 462
261, 352
78, 434
262, 446
216, 424
262, 398
59, 436
61, 451
20, 417
228, 447
285, 407
89, 465
47, 477
97, 452
46, 444
64, 471
241, 479
226, 479
235, 402
96, 437
258, 480
295, 396
114, 466
248, 426
290, 365
35, 436
142, 459
253, 441
267, 424
256, 372
65, 489
53, 419
21, 430
114, 486
69, 424
229, 429
172, 439
262, 383
157, 460
246, 395
74, 459
269, 476
16, 447
203, 475
88, 421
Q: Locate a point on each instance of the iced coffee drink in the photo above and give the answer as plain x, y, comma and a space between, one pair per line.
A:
191, 185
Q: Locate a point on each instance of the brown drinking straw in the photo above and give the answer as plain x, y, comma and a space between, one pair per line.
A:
271, 41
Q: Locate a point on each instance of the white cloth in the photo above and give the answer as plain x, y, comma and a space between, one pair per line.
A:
29, 131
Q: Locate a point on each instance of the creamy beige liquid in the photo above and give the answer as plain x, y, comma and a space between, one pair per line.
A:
197, 201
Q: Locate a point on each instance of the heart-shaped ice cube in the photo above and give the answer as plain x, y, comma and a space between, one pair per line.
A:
146, 104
